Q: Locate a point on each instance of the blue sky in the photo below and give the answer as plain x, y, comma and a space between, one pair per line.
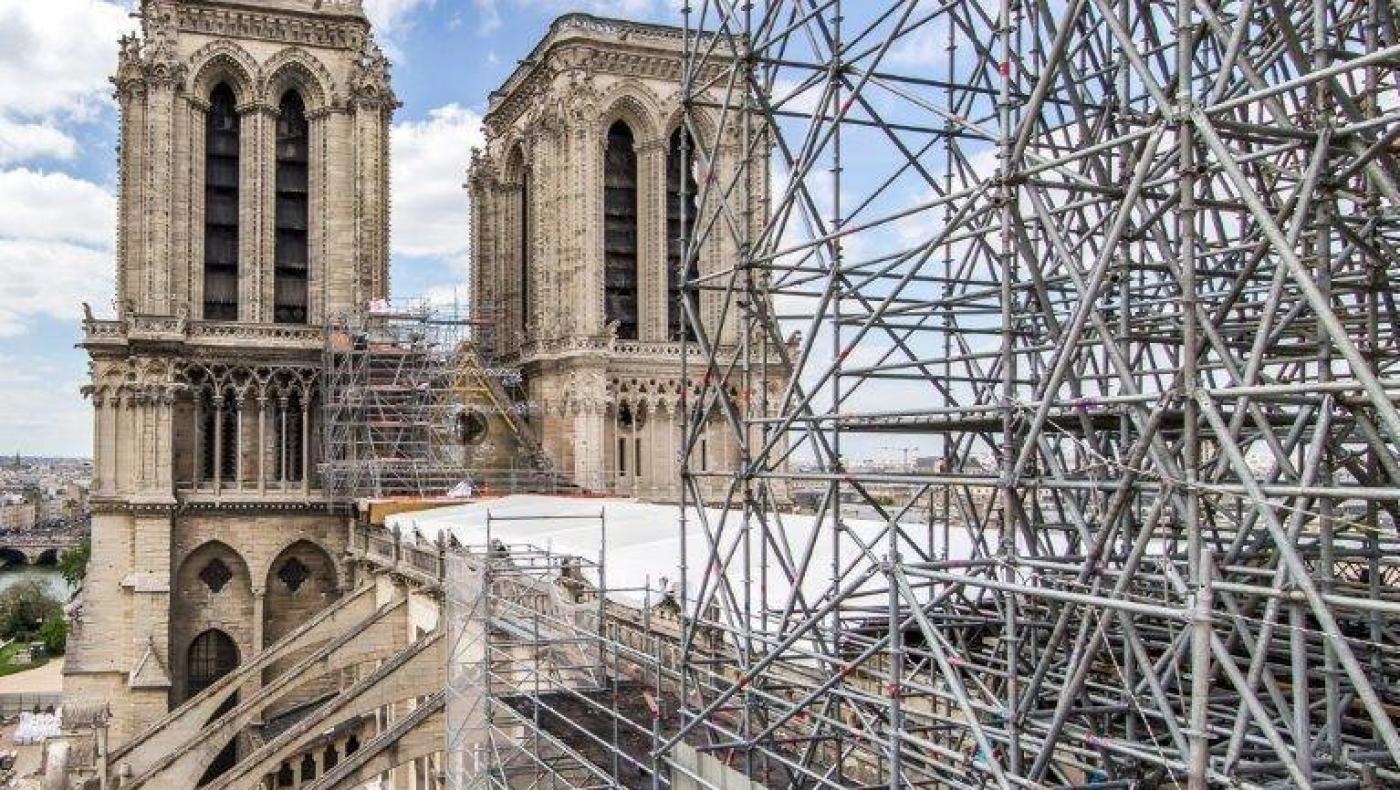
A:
57, 172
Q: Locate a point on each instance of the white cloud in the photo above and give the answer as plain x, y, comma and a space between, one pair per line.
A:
55, 207
391, 20
430, 165
21, 142
56, 56
55, 247
923, 47
41, 411
43, 278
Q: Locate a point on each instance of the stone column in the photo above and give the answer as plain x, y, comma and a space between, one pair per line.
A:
258, 595
140, 447
282, 457
127, 458
305, 448
590, 436
187, 261
99, 476
163, 81
194, 267
240, 441
257, 164
651, 238
370, 112
165, 441
317, 215
197, 438
592, 151
516, 307
131, 95
218, 459
102, 449
262, 441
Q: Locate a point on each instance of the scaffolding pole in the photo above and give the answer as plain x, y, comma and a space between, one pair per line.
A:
1121, 270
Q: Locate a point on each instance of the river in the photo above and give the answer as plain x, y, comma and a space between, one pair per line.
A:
50, 577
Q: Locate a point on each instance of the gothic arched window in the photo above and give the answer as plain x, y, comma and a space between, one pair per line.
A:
221, 206
290, 256
212, 655
289, 439
680, 223
218, 435
620, 231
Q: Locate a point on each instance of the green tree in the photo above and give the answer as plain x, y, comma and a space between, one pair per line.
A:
24, 607
54, 633
73, 562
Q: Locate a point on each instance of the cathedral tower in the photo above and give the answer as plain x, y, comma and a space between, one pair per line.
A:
253, 207
588, 182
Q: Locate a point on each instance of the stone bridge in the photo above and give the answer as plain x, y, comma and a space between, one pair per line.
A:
39, 547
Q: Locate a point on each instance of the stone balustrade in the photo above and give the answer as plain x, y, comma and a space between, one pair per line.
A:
213, 334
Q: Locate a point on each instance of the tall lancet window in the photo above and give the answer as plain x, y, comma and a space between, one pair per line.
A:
221, 207
289, 261
620, 231
680, 224
524, 248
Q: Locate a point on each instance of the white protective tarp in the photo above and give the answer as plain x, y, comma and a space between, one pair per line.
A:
35, 727
644, 542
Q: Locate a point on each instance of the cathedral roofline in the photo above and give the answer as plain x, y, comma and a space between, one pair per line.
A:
585, 24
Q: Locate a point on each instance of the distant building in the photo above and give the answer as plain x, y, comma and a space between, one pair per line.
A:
17, 513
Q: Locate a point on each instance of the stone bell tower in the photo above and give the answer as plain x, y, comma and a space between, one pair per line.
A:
253, 207
581, 199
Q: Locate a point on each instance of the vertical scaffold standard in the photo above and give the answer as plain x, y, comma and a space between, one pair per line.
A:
1121, 270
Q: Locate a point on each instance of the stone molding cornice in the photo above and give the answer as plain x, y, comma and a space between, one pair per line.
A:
586, 27
270, 502
315, 502
288, 27
617, 58
122, 506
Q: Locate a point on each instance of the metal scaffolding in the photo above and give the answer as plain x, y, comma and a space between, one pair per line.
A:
537, 692
1122, 270
408, 402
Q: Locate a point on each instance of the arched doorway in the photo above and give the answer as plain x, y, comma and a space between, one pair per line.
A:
212, 655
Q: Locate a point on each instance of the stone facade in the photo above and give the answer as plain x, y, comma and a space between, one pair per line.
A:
253, 206
604, 390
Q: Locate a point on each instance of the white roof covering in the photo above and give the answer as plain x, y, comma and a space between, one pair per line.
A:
644, 541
